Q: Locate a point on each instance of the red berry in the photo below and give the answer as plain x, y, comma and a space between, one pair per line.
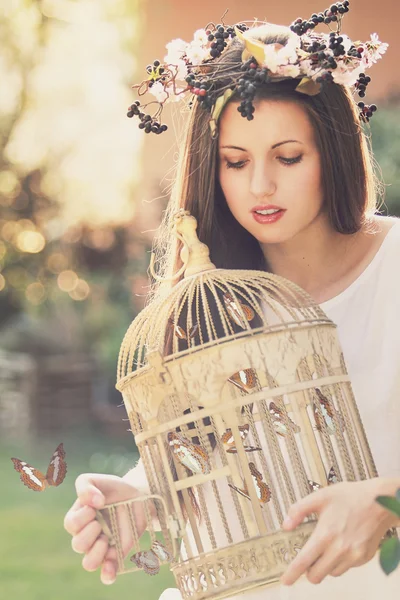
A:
360, 50
202, 92
196, 91
253, 65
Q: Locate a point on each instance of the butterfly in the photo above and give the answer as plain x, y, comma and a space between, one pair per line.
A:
245, 380
229, 442
328, 412
35, 480
234, 313
181, 333
149, 560
191, 456
280, 422
332, 478
262, 489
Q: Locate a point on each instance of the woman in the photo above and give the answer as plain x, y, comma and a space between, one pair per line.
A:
291, 189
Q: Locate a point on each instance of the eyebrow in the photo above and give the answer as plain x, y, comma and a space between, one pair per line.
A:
272, 147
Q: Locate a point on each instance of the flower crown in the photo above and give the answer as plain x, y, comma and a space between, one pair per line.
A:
315, 59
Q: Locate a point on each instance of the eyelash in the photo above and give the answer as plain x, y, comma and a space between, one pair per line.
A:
287, 162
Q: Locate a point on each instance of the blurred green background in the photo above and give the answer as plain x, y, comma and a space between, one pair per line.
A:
75, 236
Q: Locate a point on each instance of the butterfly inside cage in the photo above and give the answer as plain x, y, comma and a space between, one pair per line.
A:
35, 479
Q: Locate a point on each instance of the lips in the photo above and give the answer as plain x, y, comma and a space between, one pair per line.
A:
267, 207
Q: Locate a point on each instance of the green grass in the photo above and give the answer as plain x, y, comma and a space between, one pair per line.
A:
36, 558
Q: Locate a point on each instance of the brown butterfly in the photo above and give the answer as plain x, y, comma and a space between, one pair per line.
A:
146, 560
229, 442
262, 489
35, 480
245, 380
192, 456
280, 422
232, 308
328, 412
181, 333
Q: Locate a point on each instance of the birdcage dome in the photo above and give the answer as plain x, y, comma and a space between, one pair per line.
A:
239, 399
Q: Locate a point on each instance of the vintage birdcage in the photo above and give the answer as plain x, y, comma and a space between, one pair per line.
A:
240, 403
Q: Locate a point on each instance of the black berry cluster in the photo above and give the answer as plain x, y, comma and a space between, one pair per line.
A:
252, 78
361, 84
147, 122
219, 37
366, 111
335, 44
202, 89
301, 26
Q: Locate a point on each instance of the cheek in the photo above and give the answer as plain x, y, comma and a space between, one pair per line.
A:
233, 185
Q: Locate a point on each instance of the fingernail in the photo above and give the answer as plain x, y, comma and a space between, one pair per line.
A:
288, 522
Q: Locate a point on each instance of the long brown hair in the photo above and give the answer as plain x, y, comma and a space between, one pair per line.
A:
351, 188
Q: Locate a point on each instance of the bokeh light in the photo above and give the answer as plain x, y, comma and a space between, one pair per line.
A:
81, 290
30, 241
35, 293
2, 283
67, 280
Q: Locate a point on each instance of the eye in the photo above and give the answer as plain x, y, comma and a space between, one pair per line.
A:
290, 161
235, 165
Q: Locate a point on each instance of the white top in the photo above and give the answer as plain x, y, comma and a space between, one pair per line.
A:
367, 314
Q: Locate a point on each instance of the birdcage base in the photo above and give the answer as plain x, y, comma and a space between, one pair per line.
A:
257, 562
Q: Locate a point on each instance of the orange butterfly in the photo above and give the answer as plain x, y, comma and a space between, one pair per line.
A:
328, 412
262, 489
181, 333
245, 380
280, 422
229, 442
192, 456
35, 480
232, 308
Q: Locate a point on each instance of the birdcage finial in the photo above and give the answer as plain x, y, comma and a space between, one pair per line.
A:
194, 254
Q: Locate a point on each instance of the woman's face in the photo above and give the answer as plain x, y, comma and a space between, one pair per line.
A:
271, 161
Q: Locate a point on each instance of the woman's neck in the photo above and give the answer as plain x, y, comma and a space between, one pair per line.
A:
316, 258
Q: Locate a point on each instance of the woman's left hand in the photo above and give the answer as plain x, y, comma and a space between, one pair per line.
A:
350, 527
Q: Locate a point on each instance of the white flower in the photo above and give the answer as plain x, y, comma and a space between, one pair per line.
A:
196, 53
347, 43
346, 75
307, 67
271, 58
201, 37
157, 90
178, 69
288, 71
176, 49
374, 50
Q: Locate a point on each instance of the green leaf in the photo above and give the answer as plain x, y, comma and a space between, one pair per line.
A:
390, 503
390, 555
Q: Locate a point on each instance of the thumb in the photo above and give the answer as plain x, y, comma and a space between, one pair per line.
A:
303, 508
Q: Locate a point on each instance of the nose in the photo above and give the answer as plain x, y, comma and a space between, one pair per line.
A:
262, 182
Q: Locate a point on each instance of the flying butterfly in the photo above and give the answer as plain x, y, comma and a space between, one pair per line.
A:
262, 489
314, 486
328, 412
232, 308
280, 422
35, 479
192, 456
229, 442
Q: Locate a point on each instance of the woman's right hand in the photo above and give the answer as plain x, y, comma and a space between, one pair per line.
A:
95, 490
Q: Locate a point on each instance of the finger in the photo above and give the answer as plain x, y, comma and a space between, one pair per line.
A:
95, 556
340, 569
85, 539
87, 492
303, 508
76, 520
109, 567
323, 566
309, 554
